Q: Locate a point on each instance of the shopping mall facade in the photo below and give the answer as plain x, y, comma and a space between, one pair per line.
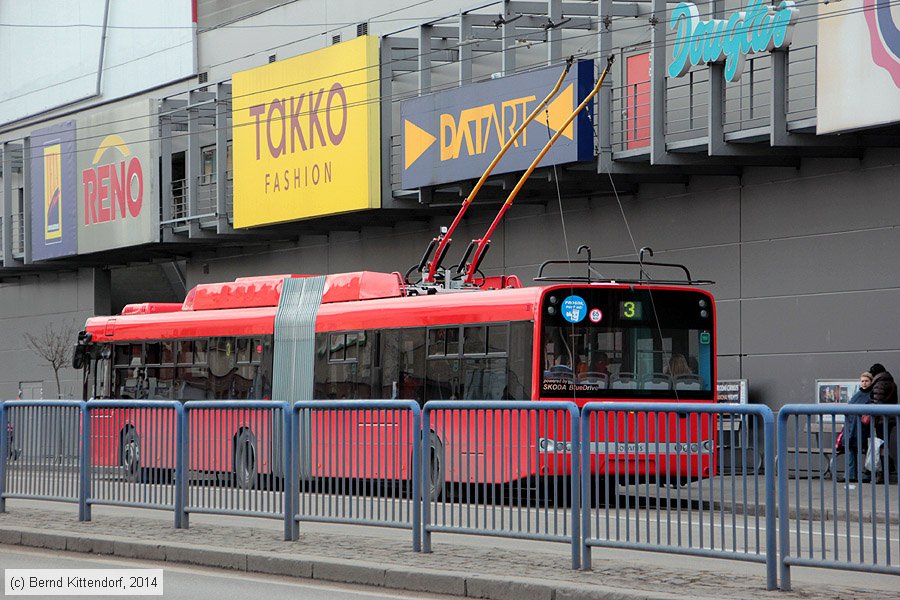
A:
149, 147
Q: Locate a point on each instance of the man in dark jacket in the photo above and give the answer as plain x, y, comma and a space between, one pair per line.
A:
884, 391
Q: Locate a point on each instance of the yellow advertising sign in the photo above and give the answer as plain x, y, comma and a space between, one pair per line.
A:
306, 135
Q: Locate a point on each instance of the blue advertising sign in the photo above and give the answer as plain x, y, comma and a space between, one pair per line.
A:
762, 28
54, 207
453, 135
574, 309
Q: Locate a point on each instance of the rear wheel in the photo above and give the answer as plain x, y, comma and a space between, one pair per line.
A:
131, 455
435, 481
245, 460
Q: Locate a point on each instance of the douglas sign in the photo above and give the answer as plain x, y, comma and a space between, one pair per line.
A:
762, 28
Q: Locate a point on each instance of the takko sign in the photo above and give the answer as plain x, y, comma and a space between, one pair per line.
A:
762, 28
307, 136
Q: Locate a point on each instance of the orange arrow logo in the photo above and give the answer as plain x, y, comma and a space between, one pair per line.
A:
417, 141
560, 109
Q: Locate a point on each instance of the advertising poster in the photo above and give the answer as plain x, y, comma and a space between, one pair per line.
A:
454, 135
54, 230
307, 135
858, 65
117, 204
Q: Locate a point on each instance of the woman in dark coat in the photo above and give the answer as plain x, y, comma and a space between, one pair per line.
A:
884, 391
853, 438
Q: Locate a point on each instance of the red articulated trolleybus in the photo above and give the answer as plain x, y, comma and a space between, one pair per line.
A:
453, 335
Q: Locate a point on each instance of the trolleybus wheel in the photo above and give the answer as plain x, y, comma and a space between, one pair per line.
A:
131, 455
435, 460
245, 464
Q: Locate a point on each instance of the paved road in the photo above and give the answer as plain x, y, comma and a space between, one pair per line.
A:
642, 573
189, 583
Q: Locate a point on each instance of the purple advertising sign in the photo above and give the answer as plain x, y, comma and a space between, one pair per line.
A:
54, 208
453, 135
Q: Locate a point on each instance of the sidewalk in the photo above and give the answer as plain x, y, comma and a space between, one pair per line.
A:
507, 570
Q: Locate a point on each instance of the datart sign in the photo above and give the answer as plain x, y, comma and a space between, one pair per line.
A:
54, 202
307, 135
762, 28
453, 135
858, 65
116, 179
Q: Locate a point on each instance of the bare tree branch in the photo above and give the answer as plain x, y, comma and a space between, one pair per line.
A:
53, 344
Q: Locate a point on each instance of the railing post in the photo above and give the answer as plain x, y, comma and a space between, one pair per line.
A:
783, 513
575, 481
416, 434
84, 469
769, 458
295, 471
183, 460
424, 492
585, 487
288, 472
180, 468
4, 454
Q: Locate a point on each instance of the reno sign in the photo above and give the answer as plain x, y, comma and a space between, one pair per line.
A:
116, 179
761, 28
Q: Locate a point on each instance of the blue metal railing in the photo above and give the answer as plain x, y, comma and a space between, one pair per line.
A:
643, 454
129, 466
529, 505
839, 531
54, 454
45, 461
335, 441
249, 470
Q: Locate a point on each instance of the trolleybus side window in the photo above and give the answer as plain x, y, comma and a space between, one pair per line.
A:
343, 365
468, 362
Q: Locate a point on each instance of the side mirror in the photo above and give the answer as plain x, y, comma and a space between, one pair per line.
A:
80, 350
78, 356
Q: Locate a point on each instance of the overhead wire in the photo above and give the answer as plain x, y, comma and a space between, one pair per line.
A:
540, 64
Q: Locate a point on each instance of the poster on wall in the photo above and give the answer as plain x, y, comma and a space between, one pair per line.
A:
54, 230
732, 391
307, 139
117, 179
835, 391
858, 65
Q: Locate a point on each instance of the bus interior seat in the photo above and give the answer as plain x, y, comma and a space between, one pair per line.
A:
559, 373
622, 381
688, 382
656, 381
594, 378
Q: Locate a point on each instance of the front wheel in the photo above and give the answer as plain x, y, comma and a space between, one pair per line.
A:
245, 463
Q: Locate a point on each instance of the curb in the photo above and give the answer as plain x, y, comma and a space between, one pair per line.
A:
331, 570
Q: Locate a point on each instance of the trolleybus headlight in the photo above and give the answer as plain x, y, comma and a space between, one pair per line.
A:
551, 310
553, 299
702, 303
704, 313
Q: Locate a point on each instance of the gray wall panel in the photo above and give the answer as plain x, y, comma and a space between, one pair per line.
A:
728, 328
791, 378
840, 196
29, 306
843, 322
858, 260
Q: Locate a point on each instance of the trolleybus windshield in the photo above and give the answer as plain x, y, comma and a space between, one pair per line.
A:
627, 343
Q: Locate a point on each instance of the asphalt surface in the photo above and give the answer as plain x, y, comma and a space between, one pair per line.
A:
188, 583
